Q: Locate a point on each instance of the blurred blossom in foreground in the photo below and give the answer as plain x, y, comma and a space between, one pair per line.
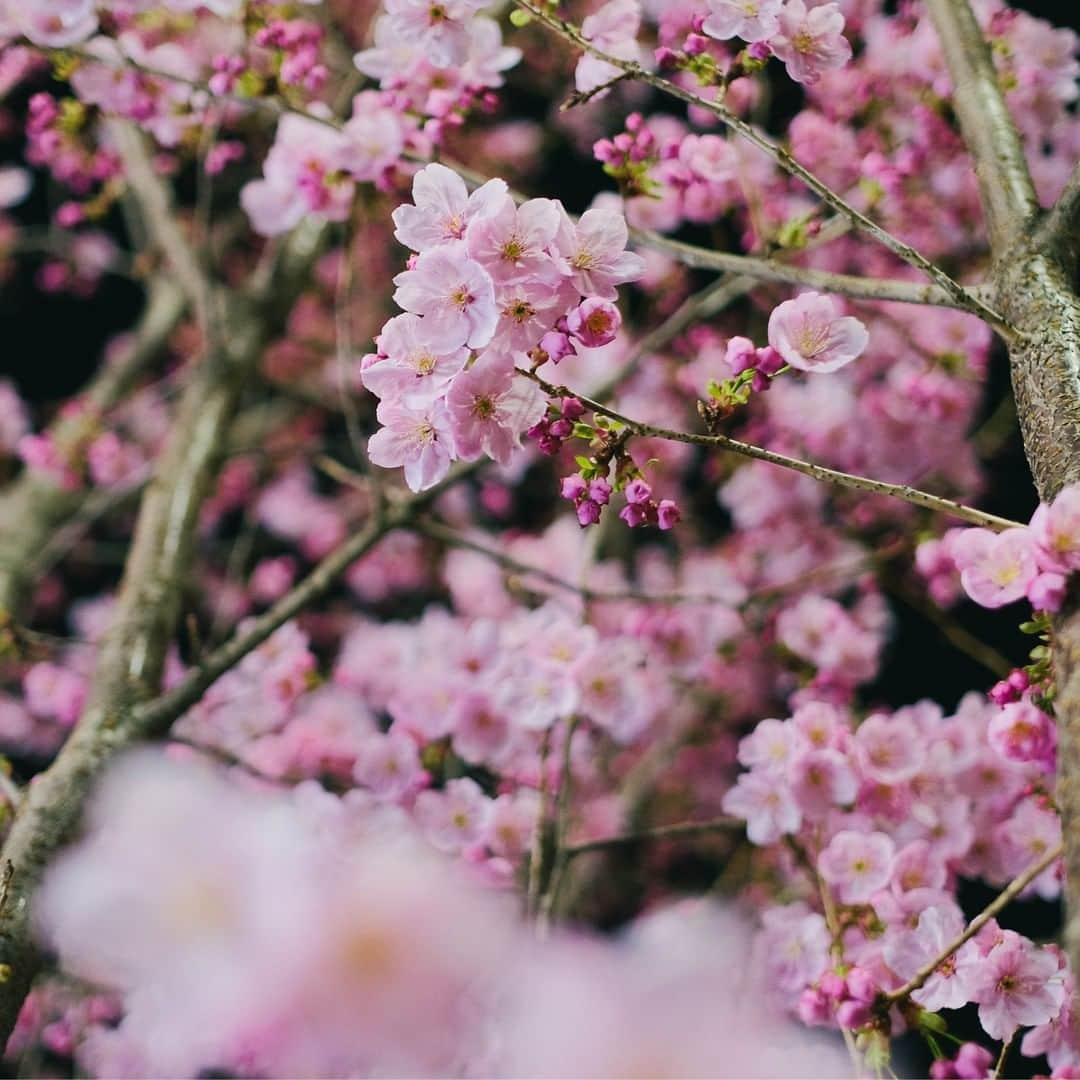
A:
285, 934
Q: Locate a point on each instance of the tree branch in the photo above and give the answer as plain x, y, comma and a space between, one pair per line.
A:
1060, 230
783, 158
1014, 889
859, 288
132, 654
816, 472
159, 215
660, 832
154, 717
35, 506
1008, 195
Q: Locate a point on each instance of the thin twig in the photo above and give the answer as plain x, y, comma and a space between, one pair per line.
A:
783, 158
659, 833
817, 472
1003, 899
1007, 192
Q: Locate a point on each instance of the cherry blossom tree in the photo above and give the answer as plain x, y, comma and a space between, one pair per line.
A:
534, 414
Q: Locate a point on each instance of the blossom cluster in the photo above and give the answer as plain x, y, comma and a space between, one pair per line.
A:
490, 283
887, 812
999, 568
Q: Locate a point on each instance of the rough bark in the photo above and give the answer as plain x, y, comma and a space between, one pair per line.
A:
131, 658
1034, 280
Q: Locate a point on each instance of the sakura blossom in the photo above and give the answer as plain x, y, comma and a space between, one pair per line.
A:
490, 409
807, 333
751, 20
810, 41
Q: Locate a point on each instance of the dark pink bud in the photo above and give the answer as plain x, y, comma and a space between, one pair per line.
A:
759, 50
831, 986
973, 1061
813, 1008
572, 409
668, 514
695, 44
588, 512
769, 361
600, 491
666, 58
562, 429
635, 514
740, 355
637, 491
572, 487
860, 985
853, 1015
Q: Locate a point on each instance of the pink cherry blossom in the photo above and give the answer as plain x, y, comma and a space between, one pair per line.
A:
751, 20
954, 983
490, 409
1018, 985
810, 336
889, 749
857, 864
408, 366
1021, 731
593, 253
1056, 530
442, 207
769, 809
455, 817
454, 294
53, 24
420, 439
995, 568
594, 322
439, 26
511, 241
388, 765
810, 42
821, 780
613, 29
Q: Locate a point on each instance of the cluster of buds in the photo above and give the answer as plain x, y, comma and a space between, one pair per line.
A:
753, 369
553, 429
588, 496
846, 1000
698, 56
1010, 689
297, 41
627, 157
642, 509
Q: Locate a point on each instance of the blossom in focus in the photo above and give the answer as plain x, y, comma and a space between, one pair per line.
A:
810, 336
810, 41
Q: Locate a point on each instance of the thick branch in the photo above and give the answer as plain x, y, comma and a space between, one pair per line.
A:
34, 507
806, 468
1060, 231
859, 288
148, 605
159, 214
1008, 195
